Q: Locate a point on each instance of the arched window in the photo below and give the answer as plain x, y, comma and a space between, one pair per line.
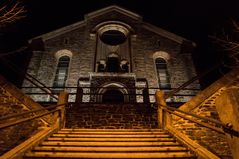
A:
61, 71
162, 72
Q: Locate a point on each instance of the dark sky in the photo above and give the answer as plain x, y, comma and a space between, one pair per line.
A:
191, 19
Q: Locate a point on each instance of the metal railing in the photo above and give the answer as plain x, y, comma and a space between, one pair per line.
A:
221, 127
55, 112
95, 94
184, 130
89, 94
29, 114
12, 121
28, 77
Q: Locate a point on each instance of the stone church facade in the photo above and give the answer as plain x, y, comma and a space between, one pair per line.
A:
112, 51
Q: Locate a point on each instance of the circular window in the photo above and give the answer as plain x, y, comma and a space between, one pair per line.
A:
113, 37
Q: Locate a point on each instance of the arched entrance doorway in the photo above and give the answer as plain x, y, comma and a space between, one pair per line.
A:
112, 93
113, 96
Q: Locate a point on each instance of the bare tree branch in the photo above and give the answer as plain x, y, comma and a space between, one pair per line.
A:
226, 44
13, 52
235, 25
11, 13
229, 44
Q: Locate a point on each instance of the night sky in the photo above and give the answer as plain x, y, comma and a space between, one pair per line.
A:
191, 19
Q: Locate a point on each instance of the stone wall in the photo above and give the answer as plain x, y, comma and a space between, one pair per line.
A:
143, 48
126, 81
229, 100
111, 116
204, 105
212, 140
9, 105
81, 42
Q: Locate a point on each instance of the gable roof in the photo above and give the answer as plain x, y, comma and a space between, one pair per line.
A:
113, 8
165, 33
105, 10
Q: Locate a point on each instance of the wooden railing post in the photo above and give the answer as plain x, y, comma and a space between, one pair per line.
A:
228, 109
163, 117
62, 99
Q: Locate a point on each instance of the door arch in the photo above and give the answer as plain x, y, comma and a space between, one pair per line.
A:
113, 88
113, 96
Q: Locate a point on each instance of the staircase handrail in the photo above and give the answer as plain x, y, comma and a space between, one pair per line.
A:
225, 128
47, 90
30, 78
31, 111
58, 121
197, 77
62, 103
19, 121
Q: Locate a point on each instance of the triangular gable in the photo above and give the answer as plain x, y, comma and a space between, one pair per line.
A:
113, 8
105, 10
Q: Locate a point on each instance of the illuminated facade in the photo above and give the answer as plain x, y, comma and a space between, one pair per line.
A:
112, 50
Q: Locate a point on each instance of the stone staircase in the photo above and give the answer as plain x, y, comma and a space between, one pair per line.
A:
109, 143
11, 102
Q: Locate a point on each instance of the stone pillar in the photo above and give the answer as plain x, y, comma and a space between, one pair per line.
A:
227, 105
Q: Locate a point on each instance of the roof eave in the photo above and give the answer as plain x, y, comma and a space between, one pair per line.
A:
166, 34
59, 31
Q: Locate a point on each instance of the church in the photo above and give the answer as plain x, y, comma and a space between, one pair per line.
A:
113, 51
115, 86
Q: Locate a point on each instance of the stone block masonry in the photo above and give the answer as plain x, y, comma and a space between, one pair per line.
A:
9, 105
111, 116
213, 141
85, 46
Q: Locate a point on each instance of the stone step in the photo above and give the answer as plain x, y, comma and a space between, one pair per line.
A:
111, 136
112, 133
118, 155
109, 149
108, 144
111, 139
111, 130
